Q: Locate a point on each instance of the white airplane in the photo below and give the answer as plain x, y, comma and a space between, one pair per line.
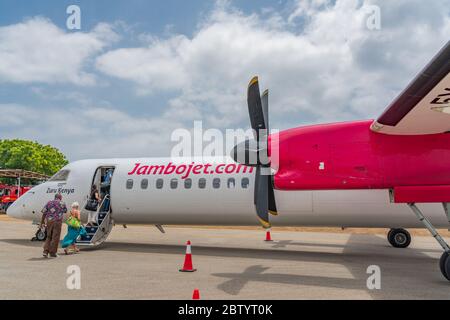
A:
393, 172
213, 197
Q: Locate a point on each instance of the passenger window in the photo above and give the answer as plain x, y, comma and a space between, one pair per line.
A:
188, 183
144, 184
231, 183
159, 183
202, 183
245, 182
130, 184
216, 183
174, 183
61, 175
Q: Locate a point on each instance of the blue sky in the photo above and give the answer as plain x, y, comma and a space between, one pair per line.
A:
137, 70
144, 15
151, 15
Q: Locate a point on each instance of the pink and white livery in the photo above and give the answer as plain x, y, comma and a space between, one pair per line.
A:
393, 172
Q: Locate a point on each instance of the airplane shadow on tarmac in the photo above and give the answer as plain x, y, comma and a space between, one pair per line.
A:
257, 273
286, 243
423, 273
405, 272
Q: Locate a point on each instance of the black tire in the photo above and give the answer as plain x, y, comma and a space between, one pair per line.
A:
399, 238
41, 235
7, 206
389, 235
444, 265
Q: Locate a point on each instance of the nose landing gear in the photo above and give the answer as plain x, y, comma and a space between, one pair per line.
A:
399, 238
40, 235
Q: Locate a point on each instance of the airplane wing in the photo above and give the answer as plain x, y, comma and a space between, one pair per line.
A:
424, 106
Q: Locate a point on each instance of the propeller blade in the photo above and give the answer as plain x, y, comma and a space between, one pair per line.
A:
265, 108
255, 108
272, 204
271, 195
261, 197
263, 156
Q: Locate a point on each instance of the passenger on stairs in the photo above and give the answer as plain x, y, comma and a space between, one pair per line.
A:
106, 184
94, 198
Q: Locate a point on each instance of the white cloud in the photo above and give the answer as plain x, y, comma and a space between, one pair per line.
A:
331, 68
36, 50
159, 66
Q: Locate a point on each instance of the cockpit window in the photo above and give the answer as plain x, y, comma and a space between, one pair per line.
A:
61, 175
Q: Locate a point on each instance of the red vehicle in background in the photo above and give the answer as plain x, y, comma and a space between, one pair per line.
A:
9, 194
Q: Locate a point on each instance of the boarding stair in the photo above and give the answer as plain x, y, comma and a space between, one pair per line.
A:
95, 235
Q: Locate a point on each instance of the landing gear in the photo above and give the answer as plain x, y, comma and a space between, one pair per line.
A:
399, 238
40, 235
444, 262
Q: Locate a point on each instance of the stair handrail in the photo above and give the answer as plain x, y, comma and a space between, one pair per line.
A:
83, 208
105, 220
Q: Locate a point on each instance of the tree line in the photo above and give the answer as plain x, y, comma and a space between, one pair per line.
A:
30, 155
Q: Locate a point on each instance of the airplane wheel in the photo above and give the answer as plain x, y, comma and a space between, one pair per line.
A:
444, 264
389, 234
41, 235
399, 238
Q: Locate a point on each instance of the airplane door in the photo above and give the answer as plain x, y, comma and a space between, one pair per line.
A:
102, 179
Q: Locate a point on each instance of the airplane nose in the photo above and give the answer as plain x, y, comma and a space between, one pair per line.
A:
14, 210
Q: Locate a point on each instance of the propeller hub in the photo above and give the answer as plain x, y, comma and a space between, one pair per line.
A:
249, 153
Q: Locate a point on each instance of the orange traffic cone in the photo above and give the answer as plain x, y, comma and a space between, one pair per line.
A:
268, 236
187, 267
196, 295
